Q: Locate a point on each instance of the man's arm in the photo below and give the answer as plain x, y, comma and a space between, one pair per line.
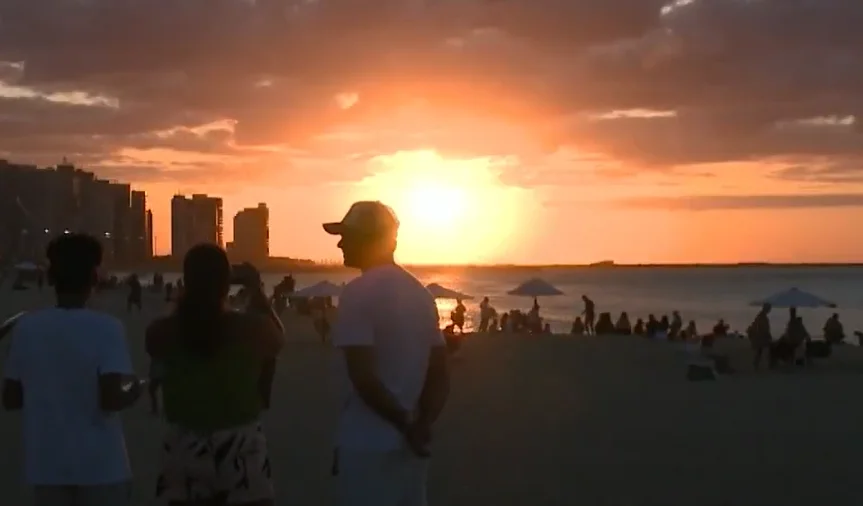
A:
353, 333
118, 386
360, 362
13, 388
436, 388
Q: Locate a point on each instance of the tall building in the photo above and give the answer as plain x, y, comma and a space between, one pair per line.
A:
38, 204
251, 235
151, 246
139, 251
195, 220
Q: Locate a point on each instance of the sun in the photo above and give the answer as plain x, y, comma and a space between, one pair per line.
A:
451, 211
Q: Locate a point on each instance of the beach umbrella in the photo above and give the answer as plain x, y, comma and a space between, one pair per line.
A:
535, 287
442, 292
794, 298
27, 267
322, 289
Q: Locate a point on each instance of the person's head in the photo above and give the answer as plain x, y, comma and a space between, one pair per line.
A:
369, 232
792, 312
458, 302
765, 309
835, 316
584, 298
206, 273
207, 276
624, 316
73, 264
485, 299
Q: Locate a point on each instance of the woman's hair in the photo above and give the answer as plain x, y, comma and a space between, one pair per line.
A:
207, 276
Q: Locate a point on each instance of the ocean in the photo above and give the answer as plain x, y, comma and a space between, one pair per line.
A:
702, 294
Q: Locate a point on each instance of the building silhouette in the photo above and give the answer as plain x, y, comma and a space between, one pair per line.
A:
195, 220
251, 235
37, 204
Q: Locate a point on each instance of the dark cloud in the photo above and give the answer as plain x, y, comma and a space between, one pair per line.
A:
729, 202
740, 76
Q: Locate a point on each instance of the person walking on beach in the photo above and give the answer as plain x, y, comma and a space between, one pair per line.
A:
69, 372
394, 367
135, 294
216, 368
589, 314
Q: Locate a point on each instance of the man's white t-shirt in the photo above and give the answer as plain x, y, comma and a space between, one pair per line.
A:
389, 309
57, 355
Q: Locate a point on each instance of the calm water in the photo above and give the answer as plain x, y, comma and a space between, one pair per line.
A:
700, 294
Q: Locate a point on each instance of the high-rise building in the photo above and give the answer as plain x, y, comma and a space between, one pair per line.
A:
195, 220
251, 234
151, 246
138, 248
38, 204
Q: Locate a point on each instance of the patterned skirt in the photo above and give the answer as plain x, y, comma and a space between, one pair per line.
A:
231, 465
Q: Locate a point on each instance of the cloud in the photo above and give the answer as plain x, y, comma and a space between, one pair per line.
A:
730, 202
728, 79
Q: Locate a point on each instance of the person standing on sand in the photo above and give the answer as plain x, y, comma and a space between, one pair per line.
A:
135, 294
70, 373
394, 367
589, 314
759, 334
216, 368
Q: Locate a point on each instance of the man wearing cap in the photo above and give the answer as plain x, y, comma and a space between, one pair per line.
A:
394, 367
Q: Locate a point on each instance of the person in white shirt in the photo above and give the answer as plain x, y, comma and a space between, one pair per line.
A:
394, 367
69, 372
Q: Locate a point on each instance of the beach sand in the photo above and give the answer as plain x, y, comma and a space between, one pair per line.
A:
554, 420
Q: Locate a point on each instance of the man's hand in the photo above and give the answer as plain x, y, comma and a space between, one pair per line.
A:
418, 437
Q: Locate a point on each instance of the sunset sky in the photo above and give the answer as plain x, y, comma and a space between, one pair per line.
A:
501, 131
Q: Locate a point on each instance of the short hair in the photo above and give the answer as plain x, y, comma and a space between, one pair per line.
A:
72, 260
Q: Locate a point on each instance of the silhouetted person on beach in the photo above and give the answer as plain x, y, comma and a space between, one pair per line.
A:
393, 367
623, 326
638, 329
69, 371
720, 329
485, 314
458, 315
676, 326
652, 327
218, 368
589, 314
134, 299
577, 327
834, 332
759, 334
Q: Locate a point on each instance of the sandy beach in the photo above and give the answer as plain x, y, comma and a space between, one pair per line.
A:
554, 421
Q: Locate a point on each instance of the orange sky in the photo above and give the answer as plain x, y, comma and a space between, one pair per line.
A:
518, 131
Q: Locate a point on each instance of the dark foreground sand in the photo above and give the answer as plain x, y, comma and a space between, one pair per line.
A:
559, 421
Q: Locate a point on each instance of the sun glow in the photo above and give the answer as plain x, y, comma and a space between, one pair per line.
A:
451, 211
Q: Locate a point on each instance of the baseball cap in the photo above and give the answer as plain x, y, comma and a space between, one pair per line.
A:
368, 218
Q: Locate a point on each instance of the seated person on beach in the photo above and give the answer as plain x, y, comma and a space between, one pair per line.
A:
691, 332
577, 327
664, 324
604, 326
622, 326
792, 343
505, 323
546, 329
638, 329
534, 322
834, 332
217, 369
720, 329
